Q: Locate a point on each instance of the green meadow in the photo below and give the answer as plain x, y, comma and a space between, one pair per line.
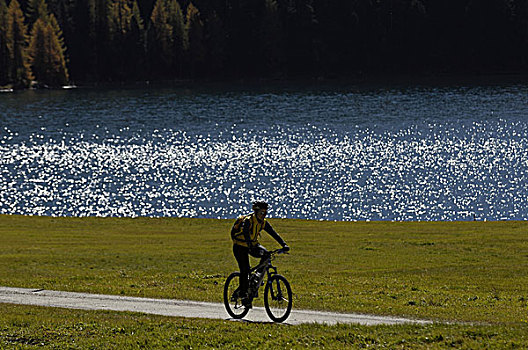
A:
469, 277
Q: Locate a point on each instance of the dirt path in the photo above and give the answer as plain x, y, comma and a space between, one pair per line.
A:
180, 308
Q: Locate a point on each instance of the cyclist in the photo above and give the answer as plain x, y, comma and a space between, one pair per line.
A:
245, 234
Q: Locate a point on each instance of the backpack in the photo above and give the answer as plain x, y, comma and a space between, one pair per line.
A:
237, 226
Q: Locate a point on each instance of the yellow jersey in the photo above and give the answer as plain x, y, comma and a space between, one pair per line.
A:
246, 230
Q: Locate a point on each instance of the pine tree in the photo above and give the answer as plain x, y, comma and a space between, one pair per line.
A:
99, 12
179, 38
195, 34
47, 51
37, 9
160, 48
61, 76
134, 48
39, 48
126, 35
137, 20
3, 43
119, 19
81, 40
19, 71
93, 33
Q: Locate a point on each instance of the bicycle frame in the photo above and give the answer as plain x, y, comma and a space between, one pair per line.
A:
266, 265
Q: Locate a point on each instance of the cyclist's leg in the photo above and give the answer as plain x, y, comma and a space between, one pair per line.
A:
242, 257
261, 252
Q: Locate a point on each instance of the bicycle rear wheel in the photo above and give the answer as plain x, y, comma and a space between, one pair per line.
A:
232, 299
278, 298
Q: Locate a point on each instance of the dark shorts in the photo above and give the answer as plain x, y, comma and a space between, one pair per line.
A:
242, 257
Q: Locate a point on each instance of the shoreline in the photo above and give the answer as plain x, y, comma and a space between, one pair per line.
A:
160, 218
379, 80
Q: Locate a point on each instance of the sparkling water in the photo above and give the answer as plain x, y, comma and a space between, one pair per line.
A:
323, 153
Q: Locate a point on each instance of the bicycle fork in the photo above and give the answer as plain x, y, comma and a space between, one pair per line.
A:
275, 291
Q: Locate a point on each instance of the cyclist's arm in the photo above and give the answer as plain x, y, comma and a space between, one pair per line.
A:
274, 234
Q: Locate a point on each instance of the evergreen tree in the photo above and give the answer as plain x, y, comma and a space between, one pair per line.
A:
47, 53
57, 31
146, 7
126, 34
60, 71
63, 11
4, 53
167, 40
179, 37
39, 50
47, 49
102, 38
160, 48
80, 38
195, 34
19, 71
119, 22
137, 21
136, 15
37, 9
131, 39
134, 49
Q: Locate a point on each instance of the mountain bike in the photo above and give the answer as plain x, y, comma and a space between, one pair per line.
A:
277, 293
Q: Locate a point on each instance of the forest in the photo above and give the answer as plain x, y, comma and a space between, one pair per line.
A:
59, 42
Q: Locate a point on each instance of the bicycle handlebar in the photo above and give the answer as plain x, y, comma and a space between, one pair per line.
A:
278, 251
271, 257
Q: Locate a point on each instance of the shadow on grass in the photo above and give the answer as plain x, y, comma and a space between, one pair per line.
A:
257, 322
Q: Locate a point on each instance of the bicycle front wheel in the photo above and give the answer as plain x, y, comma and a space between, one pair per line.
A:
278, 298
232, 299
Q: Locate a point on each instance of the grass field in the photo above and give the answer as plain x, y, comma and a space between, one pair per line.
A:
470, 272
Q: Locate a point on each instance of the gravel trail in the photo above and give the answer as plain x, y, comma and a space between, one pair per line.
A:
179, 308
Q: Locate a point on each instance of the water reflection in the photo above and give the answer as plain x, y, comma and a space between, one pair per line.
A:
394, 155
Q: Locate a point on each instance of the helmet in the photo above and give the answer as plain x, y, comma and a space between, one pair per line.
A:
258, 205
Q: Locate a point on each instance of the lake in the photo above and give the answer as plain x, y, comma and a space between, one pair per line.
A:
316, 151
